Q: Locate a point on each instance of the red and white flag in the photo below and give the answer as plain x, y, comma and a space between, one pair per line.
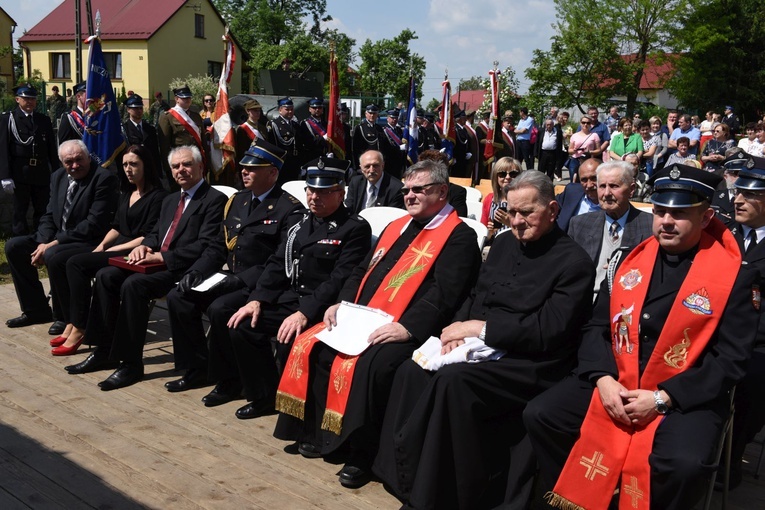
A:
494, 135
223, 151
336, 135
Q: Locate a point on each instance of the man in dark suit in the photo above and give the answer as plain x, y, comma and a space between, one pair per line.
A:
749, 231
374, 187
188, 222
72, 123
299, 283
579, 197
256, 221
178, 127
83, 198
27, 158
617, 225
139, 132
722, 202
548, 147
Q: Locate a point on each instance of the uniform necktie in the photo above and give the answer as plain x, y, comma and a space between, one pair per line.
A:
70, 192
174, 224
140, 129
613, 231
253, 204
372, 198
751, 238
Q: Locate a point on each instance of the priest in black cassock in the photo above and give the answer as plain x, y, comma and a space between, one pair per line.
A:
448, 433
438, 256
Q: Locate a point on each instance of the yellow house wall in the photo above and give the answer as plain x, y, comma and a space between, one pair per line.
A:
6, 62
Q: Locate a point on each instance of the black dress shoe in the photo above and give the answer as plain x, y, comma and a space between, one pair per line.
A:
57, 328
224, 392
309, 451
126, 375
27, 320
353, 477
93, 363
193, 378
255, 410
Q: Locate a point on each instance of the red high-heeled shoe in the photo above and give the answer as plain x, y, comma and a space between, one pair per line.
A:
59, 340
63, 350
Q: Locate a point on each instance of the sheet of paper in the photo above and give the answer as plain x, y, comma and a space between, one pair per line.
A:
354, 325
209, 283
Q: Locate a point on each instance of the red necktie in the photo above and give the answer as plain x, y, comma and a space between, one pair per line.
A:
174, 224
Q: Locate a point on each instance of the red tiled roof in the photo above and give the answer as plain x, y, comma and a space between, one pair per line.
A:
469, 99
120, 19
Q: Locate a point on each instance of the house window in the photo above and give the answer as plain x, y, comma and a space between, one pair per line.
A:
214, 69
113, 61
199, 25
61, 64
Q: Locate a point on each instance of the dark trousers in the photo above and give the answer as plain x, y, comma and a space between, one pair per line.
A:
29, 290
254, 352
80, 270
525, 153
121, 299
547, 162
190, 345
23, 196
682, 457
750, 407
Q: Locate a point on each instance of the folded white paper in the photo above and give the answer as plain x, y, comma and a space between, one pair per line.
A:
354, 325
210, 282
474, 350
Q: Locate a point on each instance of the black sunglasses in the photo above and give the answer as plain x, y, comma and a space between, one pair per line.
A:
417, 190
502, 175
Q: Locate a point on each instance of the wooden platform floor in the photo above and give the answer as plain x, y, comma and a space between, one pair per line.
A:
66, 444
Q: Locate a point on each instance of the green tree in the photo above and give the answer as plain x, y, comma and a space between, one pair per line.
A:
472, 83
721, 50
199, 85
508, 92
386, 65
602, 51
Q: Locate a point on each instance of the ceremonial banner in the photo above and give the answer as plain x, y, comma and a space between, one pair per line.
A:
494, 136
411, 133
446, 123
102, 132
223, 150
336, 135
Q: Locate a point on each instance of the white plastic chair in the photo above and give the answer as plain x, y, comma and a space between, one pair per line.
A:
480, 229
379, 218
297, 190
473, 195
226, 190
474, 210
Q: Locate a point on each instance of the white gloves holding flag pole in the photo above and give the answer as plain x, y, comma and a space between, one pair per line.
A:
8, 186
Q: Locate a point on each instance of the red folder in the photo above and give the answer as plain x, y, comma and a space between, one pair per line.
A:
137, 268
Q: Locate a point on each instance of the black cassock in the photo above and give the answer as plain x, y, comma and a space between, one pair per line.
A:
447, 433
440, 294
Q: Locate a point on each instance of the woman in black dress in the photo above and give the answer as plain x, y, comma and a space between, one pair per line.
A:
140, 200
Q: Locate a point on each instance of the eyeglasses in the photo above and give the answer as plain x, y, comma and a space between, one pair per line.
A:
586, 123
749, 194
209, 100
718, 131
417, 190
321, 192
502, 175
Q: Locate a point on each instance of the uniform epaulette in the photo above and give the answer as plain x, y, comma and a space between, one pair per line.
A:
292, 198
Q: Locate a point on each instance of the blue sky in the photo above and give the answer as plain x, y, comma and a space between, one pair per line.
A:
462, 35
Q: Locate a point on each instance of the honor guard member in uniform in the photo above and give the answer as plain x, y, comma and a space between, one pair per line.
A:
255, 223
283, 132
314, 130
431, 140
669, 337
462, 150
139, 132
367, 135
299, 283
179, 126
344, 114
72, 124
725, 194
27, 158
395, 150
749, 231
250, 131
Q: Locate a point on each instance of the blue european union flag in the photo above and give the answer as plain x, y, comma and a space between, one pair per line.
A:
412, 131
103, 125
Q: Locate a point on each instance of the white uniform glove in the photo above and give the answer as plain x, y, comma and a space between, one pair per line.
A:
402, 146
468, 155
8, 185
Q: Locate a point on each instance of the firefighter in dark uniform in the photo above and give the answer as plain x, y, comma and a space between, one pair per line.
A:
344, 114
72, 123
394, 150
28, 155
431, 139
283, 132
462, 149
314, 132
367, 135
298, 284
139, 132
256, 222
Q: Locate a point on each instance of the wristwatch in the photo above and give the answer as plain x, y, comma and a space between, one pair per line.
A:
661, 406
482, 336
